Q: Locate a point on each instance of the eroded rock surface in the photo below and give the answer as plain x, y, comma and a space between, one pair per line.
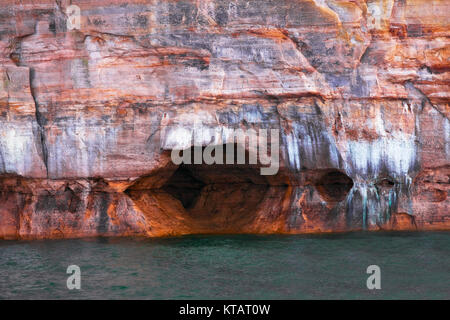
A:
358, 89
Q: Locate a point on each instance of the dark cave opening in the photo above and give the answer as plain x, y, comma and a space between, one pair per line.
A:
183, 186
334, 186
208, 189
216, 198
385, 184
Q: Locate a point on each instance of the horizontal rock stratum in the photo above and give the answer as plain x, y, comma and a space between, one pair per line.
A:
359, 91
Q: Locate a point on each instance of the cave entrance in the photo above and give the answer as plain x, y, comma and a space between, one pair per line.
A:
333, 186
217, 198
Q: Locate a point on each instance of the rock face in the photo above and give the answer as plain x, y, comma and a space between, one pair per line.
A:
359, 91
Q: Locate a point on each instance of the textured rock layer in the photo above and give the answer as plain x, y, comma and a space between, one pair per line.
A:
358, 89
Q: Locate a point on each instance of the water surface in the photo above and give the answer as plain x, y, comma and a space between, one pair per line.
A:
413, 265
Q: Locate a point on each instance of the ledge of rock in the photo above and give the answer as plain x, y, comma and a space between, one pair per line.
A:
359, 91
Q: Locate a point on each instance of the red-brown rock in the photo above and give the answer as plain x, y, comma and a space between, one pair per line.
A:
359, 91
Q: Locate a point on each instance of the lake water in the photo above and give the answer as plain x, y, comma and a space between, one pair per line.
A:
413, 266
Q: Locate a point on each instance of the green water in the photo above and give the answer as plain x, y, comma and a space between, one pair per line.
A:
413, 266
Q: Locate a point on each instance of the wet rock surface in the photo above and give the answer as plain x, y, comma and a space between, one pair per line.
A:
359, 91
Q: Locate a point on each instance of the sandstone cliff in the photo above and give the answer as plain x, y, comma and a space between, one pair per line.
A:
358, 89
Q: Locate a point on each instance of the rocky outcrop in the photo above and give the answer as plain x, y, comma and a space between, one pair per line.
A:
359, 91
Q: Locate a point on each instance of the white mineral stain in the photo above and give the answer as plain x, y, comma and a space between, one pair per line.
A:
16, 148
81, 149
292, 145
397, 153
314, 146
177, 138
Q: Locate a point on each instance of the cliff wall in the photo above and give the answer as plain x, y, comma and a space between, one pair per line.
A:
359, 91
